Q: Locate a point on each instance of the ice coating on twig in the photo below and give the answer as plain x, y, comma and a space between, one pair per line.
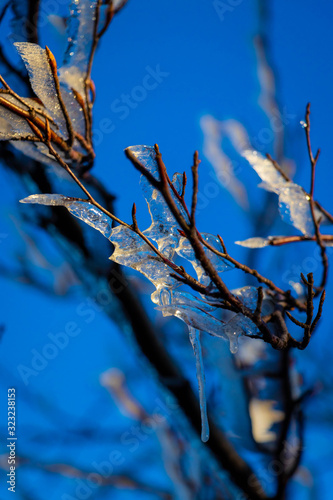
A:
80, 36
254, 242
195, 340
164, 228
132, 251
294, 202
12, 129
42, 81
186, 251
264, 167
48, 199
74, 109
294, 207
239, 324
81, 209
16, 111
12, 125
36, 151
166, 297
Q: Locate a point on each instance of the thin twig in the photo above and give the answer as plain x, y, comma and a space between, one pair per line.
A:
195, 188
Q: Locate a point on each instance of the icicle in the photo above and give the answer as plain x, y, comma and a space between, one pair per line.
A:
196, 344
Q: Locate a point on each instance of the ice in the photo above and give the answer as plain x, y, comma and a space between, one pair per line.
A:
17, 126
17, 131
81, 209
186, 251
254, 242
294, 202
47, 199
196, 313
177, 181
12, 125
116, 4
294, 206
166, 298
36, 151
264, 167
197, 318
248, 295
195, 340
164, 228
132, 251
74, 110
236, 327
81, 25
73, 78
42, 81
239, 324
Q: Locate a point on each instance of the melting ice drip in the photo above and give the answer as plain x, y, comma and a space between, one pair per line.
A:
130, 250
